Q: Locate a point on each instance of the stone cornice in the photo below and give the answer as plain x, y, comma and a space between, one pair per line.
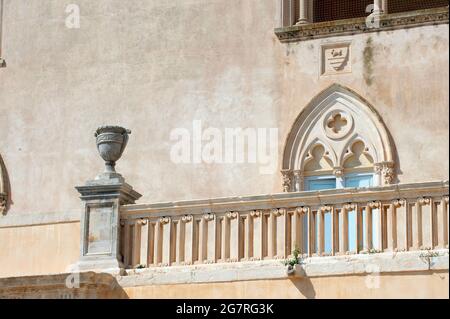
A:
358, 25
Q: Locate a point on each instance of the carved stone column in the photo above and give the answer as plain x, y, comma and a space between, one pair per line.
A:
378, 170
339, 173
299, 181
304, 12
102, 198
378, 7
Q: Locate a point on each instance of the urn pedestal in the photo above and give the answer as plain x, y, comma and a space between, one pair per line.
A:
102, 198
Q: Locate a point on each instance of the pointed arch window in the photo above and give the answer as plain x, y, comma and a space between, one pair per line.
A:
338, 141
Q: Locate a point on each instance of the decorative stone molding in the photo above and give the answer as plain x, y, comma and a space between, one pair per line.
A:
278, 212
399, 203
232, 215
349, 207
256, 213
287, 180
374, 205
325, 209
388, 172
187, 218
164, 220
302, 210
338, 172
424, 201
208, 217
335, 58
388, 22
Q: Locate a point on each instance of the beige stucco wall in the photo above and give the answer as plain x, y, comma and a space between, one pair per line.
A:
400, 285
39, 250
153, 66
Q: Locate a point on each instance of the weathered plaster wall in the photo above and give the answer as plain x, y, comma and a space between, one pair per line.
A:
153, 66
432, 285
39, 250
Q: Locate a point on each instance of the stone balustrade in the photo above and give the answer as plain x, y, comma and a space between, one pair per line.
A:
396, 218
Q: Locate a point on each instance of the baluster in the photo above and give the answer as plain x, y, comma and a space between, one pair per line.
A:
376, 225
136, 243
234, 236
280, 220
359, 228
401, 224
210, 238
127, 244
272, 234
188, 253
321, 229
248, 249
180, 238
343, 233
297, 227
165, 238
225, 238
334, 231
442, 223
151, 251
257, 234
311, 232
144, 241
426, 231
416, 226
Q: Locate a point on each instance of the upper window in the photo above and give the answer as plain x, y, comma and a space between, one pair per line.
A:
396, 6
304, 19
329, 10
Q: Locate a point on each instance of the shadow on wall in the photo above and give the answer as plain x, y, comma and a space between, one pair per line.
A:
305, 287
88, 285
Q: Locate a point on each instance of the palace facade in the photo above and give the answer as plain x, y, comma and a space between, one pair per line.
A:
264, 149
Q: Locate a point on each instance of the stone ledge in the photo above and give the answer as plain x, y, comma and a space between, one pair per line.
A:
388, 22
24, 220
273, 269
61, 286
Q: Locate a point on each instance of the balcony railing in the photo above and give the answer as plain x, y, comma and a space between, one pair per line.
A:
319, 223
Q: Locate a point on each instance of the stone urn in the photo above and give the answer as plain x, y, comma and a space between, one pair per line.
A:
111, 142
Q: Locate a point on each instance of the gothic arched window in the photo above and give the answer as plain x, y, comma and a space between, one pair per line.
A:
337, 141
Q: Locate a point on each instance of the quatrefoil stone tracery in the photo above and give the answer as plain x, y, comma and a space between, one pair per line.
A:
338, 124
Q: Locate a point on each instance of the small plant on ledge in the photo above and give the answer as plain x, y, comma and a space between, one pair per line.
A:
295, 260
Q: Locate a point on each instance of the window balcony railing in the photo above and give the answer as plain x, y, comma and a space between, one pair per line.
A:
407, 217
